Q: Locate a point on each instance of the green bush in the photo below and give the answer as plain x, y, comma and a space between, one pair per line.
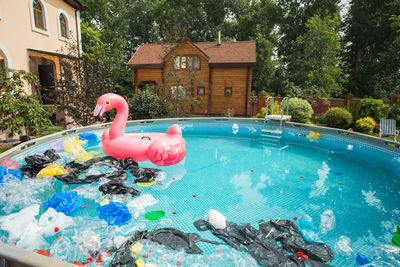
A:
50, 129
147, 105
373, 108
338, 118
365, 125
300, 110
394, 113
277, 110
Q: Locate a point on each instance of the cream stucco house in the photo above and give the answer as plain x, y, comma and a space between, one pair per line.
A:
32, 33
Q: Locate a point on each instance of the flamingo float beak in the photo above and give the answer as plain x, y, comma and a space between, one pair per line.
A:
98, 112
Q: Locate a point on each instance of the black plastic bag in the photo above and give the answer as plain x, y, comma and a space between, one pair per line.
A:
145, 175
262, 244
170, 237
118, 187
35, 163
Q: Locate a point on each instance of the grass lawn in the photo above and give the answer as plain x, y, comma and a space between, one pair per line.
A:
5, 147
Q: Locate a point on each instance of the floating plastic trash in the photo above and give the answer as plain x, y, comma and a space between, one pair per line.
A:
73, 145
9, 164
395, 241
217, 219
307, 228
154, 215
9, 174
146, 184
114, 213
328, 221
51, 170
87, 136
361, 259
138, 205
342, 246
66, 202
35, 163
135, 249
338, 173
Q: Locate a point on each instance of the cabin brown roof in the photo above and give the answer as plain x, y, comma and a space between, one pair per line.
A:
232, 53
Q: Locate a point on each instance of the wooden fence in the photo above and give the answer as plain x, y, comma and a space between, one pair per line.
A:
320, 106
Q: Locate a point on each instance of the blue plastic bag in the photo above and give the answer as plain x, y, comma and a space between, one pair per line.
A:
114, 213
361, 259
90, 137
17, 174
66, 202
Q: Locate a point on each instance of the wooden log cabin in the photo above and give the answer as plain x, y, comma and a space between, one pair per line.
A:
222, 72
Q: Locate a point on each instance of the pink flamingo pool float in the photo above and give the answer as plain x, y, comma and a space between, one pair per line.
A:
163, 149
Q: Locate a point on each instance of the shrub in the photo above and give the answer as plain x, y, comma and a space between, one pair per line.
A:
373, 108
394, 113
365, 125
277, 110
338, 118
50, 129
300, 110
147, 105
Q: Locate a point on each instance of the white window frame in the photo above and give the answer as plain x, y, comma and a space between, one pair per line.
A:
46, 30
7, 58
62, 38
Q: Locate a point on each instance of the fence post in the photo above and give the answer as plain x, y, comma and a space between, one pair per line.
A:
348, 100
261, 102
393, 99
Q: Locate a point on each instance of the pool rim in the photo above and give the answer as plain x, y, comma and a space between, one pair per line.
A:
28, 258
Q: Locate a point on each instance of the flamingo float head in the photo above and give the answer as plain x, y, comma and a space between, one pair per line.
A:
105, 103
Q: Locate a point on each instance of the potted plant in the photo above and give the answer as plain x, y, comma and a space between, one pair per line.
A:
18, 109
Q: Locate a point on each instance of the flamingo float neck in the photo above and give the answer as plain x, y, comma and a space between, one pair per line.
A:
118, 125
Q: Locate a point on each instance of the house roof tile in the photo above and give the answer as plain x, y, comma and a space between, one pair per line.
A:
152, 55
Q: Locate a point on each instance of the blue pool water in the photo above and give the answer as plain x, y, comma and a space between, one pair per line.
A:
247, 178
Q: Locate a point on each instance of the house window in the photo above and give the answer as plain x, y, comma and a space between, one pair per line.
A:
63, 26
38, 17
228, 91
190, 62
38, 14
200, 90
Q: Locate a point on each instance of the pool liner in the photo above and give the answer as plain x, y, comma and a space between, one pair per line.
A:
66, 202
263, 247
115, 213
170, 237
6, 173
35, 163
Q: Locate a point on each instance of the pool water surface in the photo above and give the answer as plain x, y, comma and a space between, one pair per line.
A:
348, 189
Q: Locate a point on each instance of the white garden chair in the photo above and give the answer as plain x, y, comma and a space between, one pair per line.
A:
387, 127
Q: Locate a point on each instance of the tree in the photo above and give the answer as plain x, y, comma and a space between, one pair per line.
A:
18, 109
318, 66
82, 81
372, 47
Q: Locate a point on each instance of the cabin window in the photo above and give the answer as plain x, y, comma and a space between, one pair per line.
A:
178, 92
38, 14
190, 62
200, 90
63, 26
228, 91
177, 62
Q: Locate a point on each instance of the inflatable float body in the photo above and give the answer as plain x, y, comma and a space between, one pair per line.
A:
163, 149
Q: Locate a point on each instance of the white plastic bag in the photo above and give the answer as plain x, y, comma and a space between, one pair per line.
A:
217, 219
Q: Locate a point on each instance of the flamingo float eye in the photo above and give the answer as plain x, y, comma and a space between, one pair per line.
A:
107, 102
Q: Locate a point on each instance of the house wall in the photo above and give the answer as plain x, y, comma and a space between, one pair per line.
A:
18, 35
236, 79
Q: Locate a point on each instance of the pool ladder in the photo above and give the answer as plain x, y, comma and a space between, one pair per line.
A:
276, 117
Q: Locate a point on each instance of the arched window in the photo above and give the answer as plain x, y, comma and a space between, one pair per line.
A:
63, 26
38, 15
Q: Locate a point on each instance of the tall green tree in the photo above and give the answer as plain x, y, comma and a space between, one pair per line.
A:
318, 66
372, 48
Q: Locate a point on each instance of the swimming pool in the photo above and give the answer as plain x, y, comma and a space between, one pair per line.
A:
247, 176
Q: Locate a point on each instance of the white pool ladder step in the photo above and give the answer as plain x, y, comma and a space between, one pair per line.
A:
277, 117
